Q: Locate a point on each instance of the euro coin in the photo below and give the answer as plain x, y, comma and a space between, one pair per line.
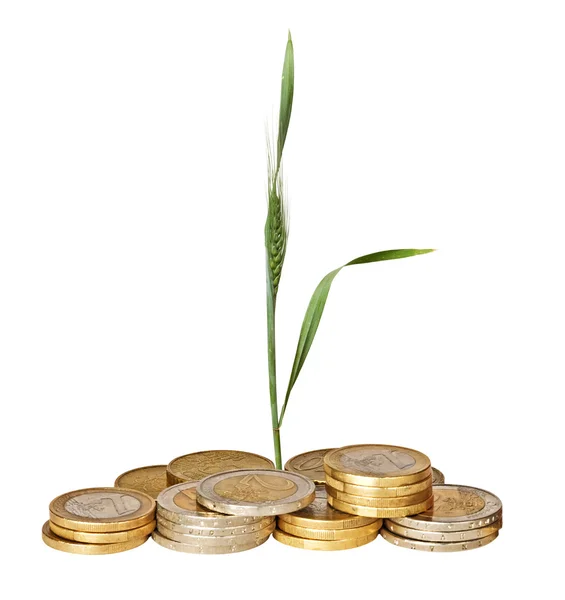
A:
320, 515
214, 531
381, 502
103, 538
377, 465
437, 476
379, 513
198, 465
379, 492
59, 543
217, 540
201, 548
456, 508
102, 510
149, 480
437, 546
329, 534
297, 542
255, 492
310, 464
179, 505
443, 536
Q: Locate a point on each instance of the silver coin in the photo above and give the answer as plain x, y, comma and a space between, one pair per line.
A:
456, 508
214, 531
437, 476
178, 504
202, 549
443, 536
403, 542
255, 492
226, 540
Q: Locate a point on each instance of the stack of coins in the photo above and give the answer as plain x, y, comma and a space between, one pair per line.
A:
320, 527
378, 481
198, 465
99, 521
311, 465
462, 518
186, 526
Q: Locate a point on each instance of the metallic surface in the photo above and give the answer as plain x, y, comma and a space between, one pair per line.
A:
377, 465
198, 465
214, 531
310, 464
296, 542
443, 536
378, 513
103, 538
202, 549
329, 534
437, 546
255, 492
437, 476
102, 510
381, 502
149, 480
456, 508
378, 492
59, 543
320, 515
217, 540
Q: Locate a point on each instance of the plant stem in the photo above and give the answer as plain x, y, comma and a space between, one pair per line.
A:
273, 370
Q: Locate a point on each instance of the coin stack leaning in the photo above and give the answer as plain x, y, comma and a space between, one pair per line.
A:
186, 526
462, 518
321, 527
99, 521
149, 480
378, 481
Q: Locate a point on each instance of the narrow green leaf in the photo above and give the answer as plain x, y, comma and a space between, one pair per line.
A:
316, 308
287, 93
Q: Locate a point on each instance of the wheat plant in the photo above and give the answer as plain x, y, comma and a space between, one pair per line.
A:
276, 236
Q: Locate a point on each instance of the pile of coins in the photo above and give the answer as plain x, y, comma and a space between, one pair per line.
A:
462, 518
219, 502
186, 526
321, 527
99, 521
378, 481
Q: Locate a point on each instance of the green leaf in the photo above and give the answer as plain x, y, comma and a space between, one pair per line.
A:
287, 93
316, 308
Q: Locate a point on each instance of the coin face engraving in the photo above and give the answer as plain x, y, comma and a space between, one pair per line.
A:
150, 480
310, 464
102, 505
455, 503
378, 463
253, 488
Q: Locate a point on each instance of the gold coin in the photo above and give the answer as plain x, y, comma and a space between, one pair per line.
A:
213, 531
437, 476
377, 465
437, 546
296, 542
103, 538
198, 465
320, 515
381, 502
380, 513
201, 549
329, 534
150, 480
379, 492
102, 510
443, 536
59, 543
310, 464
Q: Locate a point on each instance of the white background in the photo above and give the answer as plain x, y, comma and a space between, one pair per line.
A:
132, 270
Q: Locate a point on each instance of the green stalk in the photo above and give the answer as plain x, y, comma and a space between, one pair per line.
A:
273, 372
